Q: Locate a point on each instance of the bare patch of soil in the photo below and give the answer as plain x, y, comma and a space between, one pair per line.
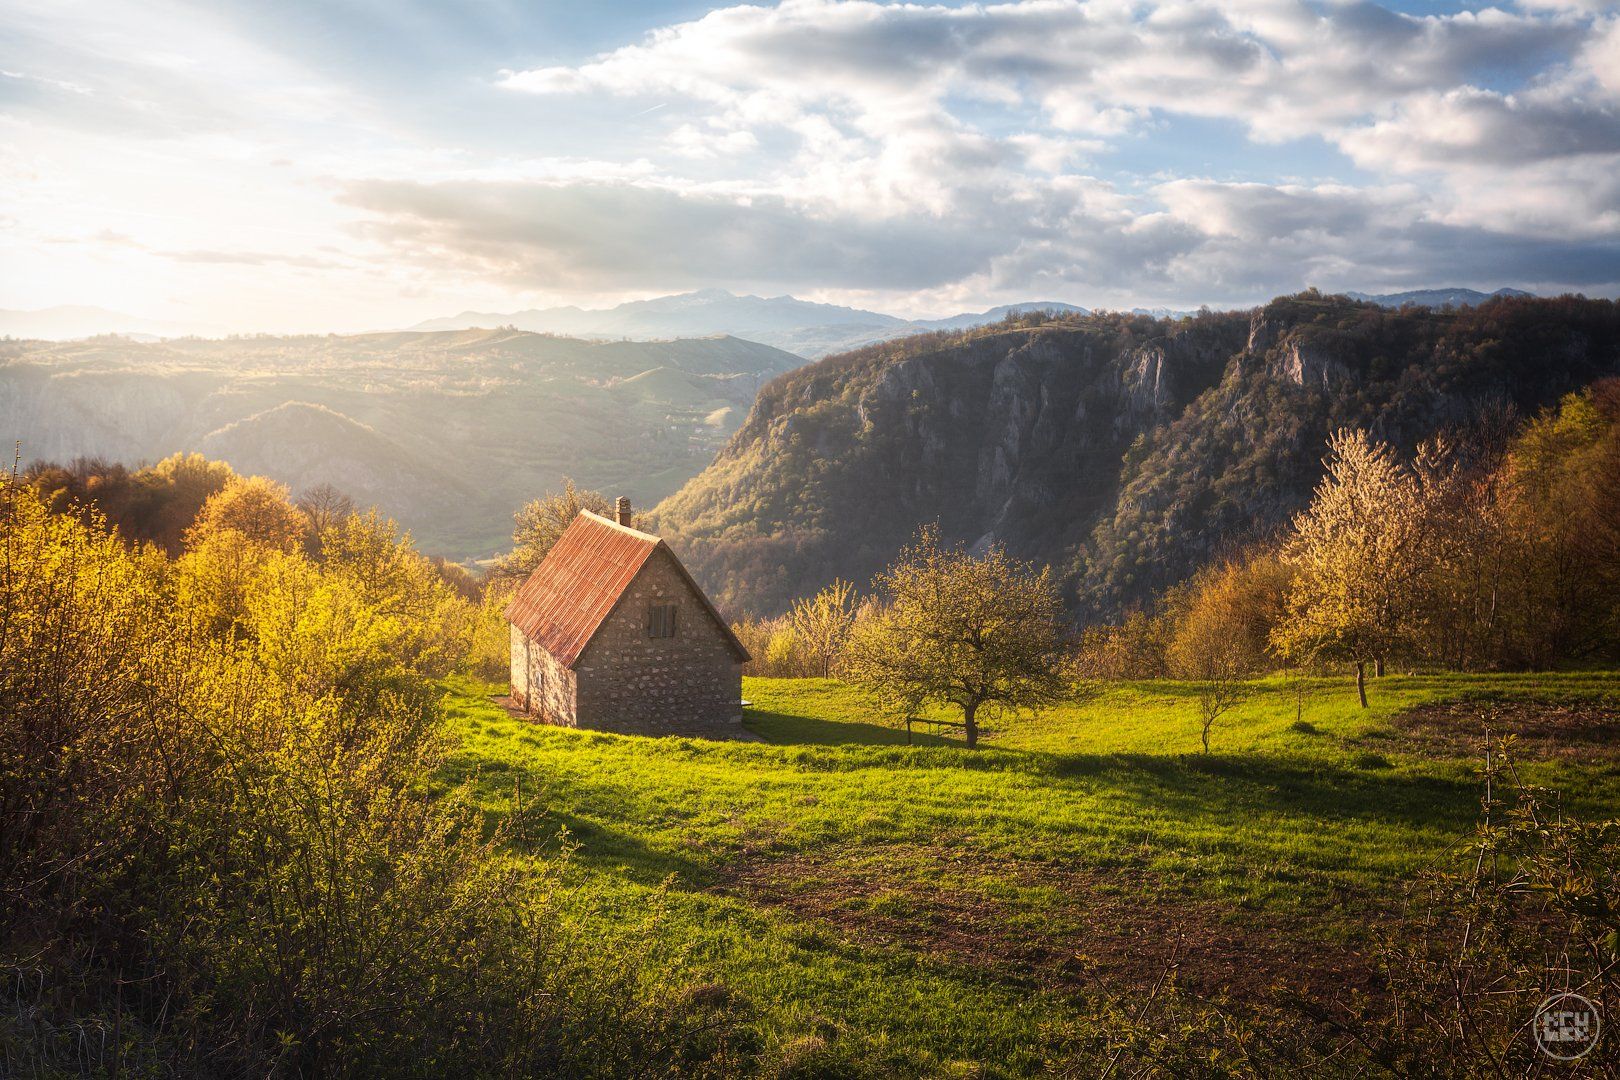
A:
1544, 730
1087, 927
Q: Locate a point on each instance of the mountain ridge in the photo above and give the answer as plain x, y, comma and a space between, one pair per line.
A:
1121, 450
1441, 297
804, 327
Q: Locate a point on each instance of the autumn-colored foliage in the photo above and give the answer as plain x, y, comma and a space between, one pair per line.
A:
224, 847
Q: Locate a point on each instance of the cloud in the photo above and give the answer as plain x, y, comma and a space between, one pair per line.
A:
1259, 237
1488, 133
618, 235
896, 154
1284, 68
251, 258
691, 141
1222, 242
1472, 126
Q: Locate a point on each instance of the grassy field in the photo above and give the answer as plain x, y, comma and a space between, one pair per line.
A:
931, 910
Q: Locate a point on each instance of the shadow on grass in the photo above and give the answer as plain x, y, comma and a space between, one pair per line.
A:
1269, 784
543, 828
786, 729
1189, 784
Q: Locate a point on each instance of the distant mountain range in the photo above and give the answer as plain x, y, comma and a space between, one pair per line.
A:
449, 431
798, 326
446, 432
814, 330
1434, 298
808, 329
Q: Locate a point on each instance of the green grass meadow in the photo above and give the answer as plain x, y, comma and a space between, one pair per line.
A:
931, 910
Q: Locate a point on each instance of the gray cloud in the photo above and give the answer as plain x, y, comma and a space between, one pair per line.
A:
590, 235
1472, 126
1224, 243
921, 153
877, 95
1283, 69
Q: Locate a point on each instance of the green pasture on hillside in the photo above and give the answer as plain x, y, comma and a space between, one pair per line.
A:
934, 910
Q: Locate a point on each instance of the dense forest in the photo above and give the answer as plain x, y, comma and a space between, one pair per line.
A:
1489, 549
1125, 451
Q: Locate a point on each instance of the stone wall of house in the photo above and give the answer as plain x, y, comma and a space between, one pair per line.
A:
546, 690
687, 684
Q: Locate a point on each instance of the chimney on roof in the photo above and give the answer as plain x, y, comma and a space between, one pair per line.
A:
621, 511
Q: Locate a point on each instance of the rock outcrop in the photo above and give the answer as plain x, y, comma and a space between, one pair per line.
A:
1122, 450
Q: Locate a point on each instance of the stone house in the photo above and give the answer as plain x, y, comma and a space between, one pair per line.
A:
610, 632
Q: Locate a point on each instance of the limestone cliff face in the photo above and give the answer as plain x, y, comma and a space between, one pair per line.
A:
1121, 450
1013, 437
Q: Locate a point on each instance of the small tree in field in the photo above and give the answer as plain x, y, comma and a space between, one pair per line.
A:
1219, 642
824, 621
1355, 551
979, 633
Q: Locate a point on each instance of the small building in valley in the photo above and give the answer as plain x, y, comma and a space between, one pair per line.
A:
610, 632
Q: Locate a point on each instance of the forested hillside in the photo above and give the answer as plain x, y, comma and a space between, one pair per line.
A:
1123, 450
448, 432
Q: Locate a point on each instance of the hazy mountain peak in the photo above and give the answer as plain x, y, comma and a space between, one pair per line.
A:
806, 327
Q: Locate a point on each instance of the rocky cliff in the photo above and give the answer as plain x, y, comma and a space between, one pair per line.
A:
1122, 450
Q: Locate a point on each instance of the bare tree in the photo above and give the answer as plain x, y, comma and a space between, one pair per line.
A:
324, 506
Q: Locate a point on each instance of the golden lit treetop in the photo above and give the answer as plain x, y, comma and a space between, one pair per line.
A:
979, 632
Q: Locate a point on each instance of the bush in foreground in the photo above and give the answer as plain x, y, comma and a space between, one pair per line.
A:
221, 848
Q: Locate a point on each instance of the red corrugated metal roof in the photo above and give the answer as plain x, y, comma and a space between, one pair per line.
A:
571, 592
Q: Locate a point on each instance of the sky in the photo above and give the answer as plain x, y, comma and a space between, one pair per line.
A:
343, 165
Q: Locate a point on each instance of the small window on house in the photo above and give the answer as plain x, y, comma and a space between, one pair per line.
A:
660, 620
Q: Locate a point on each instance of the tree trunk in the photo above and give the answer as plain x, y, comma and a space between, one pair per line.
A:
970, 726
1361, 681
1378, 668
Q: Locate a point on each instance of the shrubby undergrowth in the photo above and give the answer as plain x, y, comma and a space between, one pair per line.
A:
222, 848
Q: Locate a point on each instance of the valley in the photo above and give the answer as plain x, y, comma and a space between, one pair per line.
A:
448, 432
